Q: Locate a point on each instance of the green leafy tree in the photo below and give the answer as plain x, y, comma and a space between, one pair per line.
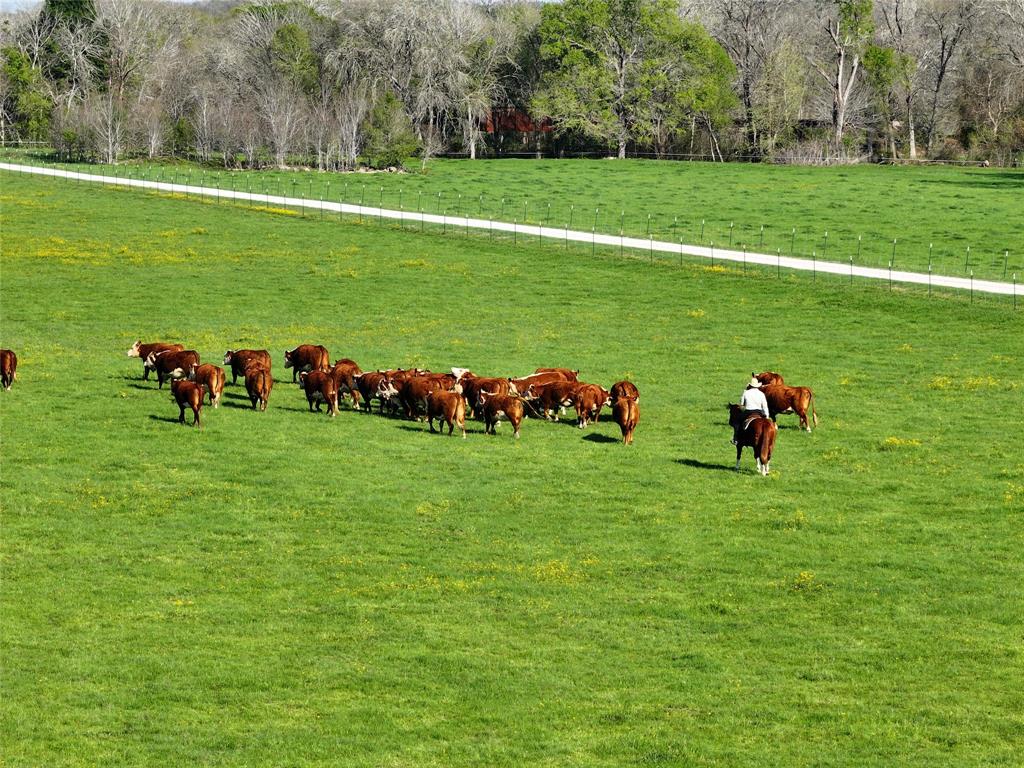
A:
849, 26
627, 70
884, 69
28, 103
389, 136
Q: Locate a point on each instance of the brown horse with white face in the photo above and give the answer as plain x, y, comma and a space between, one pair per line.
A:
756, 432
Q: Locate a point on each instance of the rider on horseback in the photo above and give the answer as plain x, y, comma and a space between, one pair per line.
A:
753, 403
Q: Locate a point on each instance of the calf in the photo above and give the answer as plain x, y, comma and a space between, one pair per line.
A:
783, 399
239, 358
140, 350
626, 413
566, 373
8, 367
624, 389
189, 393
589, 400
495, 406
210, 376
320, 388
447, 407
307, 357
344, 374
258, 383
170, 364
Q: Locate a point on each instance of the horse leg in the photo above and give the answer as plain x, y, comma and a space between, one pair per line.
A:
739, 450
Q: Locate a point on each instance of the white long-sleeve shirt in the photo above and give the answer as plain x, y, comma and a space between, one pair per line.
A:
754, 400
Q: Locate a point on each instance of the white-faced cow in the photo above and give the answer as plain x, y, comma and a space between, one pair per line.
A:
238, 359
143, 351
307, 357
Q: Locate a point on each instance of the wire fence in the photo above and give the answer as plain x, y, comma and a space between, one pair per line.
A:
742, 247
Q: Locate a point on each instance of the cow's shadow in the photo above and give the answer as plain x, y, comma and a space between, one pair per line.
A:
169, 419
596, 437
703, 465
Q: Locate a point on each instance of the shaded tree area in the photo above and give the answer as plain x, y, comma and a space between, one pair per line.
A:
336, 84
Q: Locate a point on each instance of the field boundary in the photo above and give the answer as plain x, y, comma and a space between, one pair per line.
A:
649, 245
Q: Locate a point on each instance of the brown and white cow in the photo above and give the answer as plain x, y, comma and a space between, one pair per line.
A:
624, 389
495, 406
320, 388
143, 351
767, 378
783, 399
626, 412
307, 357
188, 393
375, 384
566, 373
521, 384
589, 400
258, 383
239, 358
448, 407
473, 384
344, 374
8, 367
171, 364
552, 398
414, 390
210, 376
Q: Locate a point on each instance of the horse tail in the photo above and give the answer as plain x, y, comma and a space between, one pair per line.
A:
768, 443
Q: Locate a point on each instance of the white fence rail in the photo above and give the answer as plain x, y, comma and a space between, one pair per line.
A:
550, 233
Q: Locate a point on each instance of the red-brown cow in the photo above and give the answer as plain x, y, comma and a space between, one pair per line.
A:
626, 412
589, 400
187, 393
375, 384
536, 380
554, 396
472, 386
8, 367
413, 391
496, 406
238, 359
344, 374
307, 357
170, 364
767, 378
566, 373
320, 388
624, 389
448, 407
783, 399
143, 351
258, 383
210, 376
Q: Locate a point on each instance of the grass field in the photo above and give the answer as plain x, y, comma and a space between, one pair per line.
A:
281, 588
931, 212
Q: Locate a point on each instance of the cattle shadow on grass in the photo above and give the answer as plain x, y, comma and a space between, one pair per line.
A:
169, 419
595, 437
703, 465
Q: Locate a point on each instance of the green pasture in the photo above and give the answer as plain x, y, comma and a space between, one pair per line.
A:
934, 214
282, 588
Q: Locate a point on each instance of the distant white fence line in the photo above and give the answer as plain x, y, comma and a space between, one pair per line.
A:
551, 233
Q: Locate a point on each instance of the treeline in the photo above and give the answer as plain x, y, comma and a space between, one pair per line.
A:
336, 84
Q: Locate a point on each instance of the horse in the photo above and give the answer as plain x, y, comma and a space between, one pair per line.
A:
758, 433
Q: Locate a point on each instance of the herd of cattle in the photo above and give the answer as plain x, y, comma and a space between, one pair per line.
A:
417, 393
446, 397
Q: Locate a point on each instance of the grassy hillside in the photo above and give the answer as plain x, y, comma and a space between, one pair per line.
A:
283, 588
931, 212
